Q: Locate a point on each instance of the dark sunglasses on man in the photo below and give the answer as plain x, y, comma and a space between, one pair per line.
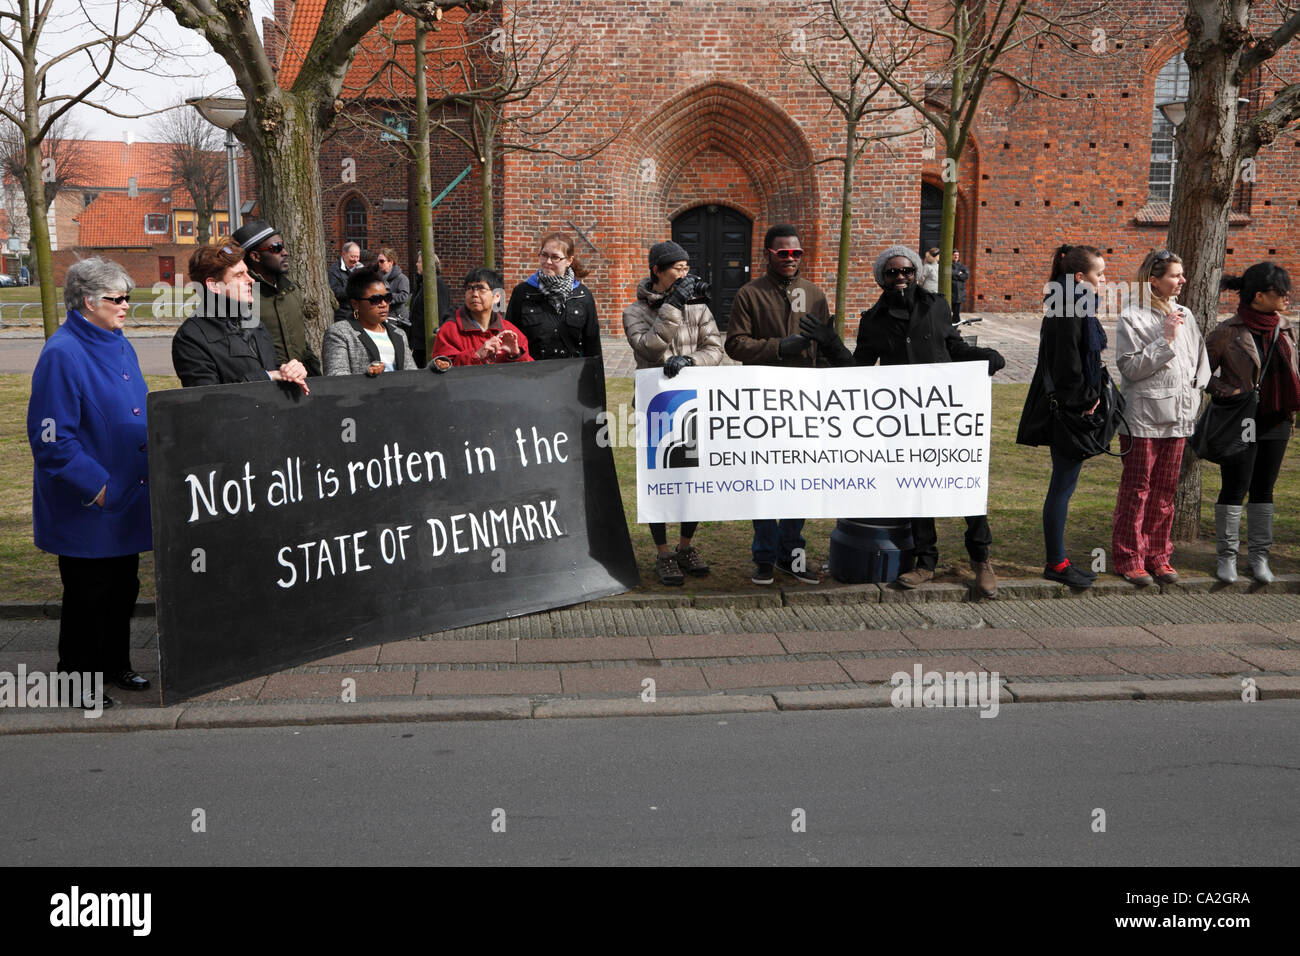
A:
275, 247
787, 253
896, 273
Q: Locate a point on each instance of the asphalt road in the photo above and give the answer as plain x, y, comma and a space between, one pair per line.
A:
1180, 784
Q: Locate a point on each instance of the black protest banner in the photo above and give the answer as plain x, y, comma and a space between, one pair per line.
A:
290, 527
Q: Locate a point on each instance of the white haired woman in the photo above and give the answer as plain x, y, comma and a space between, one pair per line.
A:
90, 498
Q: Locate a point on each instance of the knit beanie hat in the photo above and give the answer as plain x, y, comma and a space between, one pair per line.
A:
665, 254
890, 253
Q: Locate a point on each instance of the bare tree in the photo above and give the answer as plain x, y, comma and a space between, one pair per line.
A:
510, 82
63, 151
1226, 43
963, 45
822, 48
26, 36
194, 160
284, 126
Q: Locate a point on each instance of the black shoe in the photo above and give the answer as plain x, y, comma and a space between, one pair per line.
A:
1070, 576
130, 680
808, 575
762, 574
88, 701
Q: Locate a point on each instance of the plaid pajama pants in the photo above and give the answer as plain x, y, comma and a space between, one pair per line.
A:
1144, 510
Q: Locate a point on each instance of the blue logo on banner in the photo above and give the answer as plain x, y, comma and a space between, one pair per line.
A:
671, 430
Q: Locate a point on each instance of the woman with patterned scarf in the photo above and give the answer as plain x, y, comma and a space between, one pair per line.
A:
1069, 348
554, 310
1238, 348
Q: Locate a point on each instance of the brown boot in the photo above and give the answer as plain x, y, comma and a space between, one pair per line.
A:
915, 578
986, 582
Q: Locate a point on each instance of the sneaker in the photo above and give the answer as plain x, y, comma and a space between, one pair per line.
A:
1165, 574
1137, 578
762, 574
691, 562
915, 578
809, 575
667, 569
1070, 576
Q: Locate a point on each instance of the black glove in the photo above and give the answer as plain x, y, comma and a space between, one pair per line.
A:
675, 363
996, 362
791, 346
823, 333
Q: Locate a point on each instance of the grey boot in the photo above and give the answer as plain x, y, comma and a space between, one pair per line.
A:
1227, 528
1259, 538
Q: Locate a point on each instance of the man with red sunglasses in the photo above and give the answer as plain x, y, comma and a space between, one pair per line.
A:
279, 302
783, 319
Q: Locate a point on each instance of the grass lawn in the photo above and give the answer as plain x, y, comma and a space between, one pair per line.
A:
1018, 481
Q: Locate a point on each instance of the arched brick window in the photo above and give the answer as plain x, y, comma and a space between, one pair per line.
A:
1171, 87
355, 221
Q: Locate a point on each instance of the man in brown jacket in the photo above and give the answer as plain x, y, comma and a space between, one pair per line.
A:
279, 301
782, 319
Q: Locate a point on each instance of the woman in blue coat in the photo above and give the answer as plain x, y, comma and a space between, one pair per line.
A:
90, 501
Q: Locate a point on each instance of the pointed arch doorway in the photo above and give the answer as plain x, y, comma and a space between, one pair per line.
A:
717, 238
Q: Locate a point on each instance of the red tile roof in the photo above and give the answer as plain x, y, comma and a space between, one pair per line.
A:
116, 220
374, 49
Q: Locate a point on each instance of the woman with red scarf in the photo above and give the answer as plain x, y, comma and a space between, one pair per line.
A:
1255, 336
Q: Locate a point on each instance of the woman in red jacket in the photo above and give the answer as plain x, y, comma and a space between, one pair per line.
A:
477, 334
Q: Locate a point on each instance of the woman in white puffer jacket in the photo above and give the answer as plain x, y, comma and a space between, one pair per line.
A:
669, 326
1163, 367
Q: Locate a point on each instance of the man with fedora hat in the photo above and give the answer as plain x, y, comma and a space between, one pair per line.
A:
279, 301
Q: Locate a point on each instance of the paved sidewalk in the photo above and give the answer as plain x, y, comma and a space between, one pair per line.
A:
809, 648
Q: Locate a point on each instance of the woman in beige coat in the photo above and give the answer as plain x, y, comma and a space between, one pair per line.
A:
669, 326
1163, 367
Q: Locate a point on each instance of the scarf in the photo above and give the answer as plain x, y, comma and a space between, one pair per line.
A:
1094, 336
557, 289
1279, 392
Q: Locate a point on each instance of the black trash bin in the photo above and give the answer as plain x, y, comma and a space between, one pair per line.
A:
874, 550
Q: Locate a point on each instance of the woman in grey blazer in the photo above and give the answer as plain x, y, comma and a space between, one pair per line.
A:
1163, 367
367, 343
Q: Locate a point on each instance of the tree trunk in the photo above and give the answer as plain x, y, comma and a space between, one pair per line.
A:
846, 226
486, 174
1208, 162
39, 242
424, 194
285, 154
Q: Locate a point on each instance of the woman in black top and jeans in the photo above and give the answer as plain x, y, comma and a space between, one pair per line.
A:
554, 310
1070, 347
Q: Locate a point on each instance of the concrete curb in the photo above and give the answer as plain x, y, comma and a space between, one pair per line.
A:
216, 716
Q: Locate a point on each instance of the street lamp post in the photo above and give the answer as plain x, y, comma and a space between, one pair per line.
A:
225, 112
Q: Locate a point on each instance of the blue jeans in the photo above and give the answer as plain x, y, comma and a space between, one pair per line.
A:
775, 540
1065, 475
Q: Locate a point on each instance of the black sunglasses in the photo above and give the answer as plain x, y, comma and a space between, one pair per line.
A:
1163, 254
275, 247
895, 273
116, 299
376, 299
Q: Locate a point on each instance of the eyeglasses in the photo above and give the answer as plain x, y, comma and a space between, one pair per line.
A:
551, 257
376, 299
275, 247
795, 254
896, 273
1163, 254
116, 299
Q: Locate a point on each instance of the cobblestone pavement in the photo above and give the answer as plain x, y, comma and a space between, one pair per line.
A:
609, 649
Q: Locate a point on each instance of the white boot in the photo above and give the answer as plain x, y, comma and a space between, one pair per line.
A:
1259, 538
1227, 528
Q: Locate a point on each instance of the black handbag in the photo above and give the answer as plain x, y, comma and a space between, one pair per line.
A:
1078, 437
1220, 431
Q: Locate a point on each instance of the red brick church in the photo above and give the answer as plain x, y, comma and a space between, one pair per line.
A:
717, 137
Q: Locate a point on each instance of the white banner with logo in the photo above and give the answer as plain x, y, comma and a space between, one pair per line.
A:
737, 442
